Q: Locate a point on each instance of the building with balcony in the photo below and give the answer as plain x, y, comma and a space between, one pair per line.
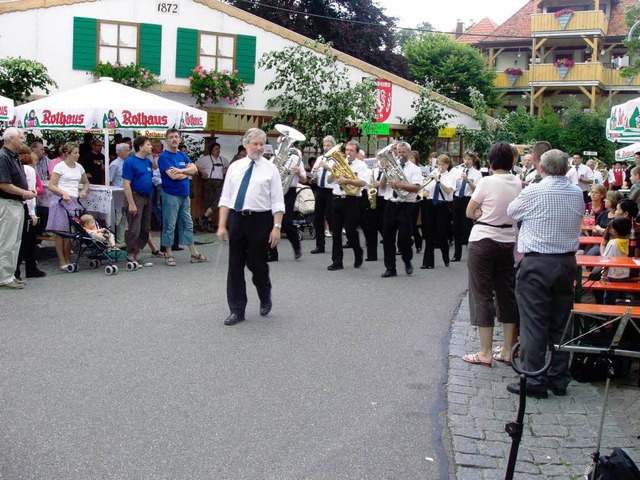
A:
551, 49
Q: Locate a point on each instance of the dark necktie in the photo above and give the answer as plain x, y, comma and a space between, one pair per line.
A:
463, 185
436, 194
244, 185
379, 175
323, 177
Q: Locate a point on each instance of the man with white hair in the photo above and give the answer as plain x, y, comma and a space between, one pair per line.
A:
551, 214
13, 191
115, 178
597, 176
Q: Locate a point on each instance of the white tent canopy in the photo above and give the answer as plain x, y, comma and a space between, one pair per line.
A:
623, 124
6, 109
107, 105
626, 154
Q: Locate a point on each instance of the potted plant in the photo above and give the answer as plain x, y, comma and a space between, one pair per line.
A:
211, 86
563, 15
131, 75
563, 65
512, 74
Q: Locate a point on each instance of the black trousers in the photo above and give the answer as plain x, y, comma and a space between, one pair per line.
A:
462, 225
346, 214
375, 225
248, 245
28, 245
544, 292
287, 223
322, 212
399, 219
436, 222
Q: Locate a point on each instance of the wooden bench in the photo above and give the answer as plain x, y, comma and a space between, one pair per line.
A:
629, 287
605, 310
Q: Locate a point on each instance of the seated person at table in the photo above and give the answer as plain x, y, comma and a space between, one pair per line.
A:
618, 246
610, 204
634, 193
101, 234
596, 205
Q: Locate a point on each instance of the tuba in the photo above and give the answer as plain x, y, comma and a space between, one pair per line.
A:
392, 171
342, 169
285, 151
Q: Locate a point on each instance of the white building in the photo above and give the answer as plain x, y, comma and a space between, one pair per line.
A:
71, 36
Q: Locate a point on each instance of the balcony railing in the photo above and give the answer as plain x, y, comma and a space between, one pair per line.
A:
586, 73
579, 22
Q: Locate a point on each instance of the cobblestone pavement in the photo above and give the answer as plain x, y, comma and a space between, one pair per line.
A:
560, 433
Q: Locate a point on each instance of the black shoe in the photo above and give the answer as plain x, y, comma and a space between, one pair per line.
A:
389, 273
534, 392
346, 245
297, 254
37, 273
233, 319
370, 259
357, 262
408, 268
427, 267
177, 249
265, 308
557, 391
455, 259
446, 264
335, 266
272, 259
316, 250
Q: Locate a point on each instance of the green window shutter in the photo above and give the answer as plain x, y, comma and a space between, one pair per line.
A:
186, 52
151, 47
85, 43
246, 57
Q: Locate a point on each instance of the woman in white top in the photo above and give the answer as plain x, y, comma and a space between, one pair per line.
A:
63, 184
490, 257
436, 212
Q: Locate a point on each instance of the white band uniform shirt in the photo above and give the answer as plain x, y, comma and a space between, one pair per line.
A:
597, 178
376, 174
447, 179
474, 176
531, 175
292, 161
264, 191
30, 173
582, 171
413, 173
214, 166
361, 170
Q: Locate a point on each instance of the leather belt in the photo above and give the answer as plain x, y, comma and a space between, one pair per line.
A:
247, 213
538, 254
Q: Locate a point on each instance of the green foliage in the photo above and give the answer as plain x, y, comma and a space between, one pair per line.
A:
131, 75
20, 77
632, 15
451, 68
515, 127
424, 126
405, 35
211, 86
479, 140
195, 146
314, 95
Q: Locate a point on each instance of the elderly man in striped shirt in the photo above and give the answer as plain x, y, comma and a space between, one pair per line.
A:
551, 214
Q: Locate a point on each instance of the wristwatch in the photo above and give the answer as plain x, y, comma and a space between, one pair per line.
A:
277, 225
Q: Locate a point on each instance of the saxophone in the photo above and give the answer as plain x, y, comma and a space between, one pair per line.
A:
392, 171
285, 151
342, 169
372, 193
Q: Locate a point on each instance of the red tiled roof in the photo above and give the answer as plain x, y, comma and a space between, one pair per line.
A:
519, 25
481, 29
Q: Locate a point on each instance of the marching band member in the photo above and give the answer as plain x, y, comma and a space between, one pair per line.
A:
323, 196
466, 178
399, 213
417, 224
375, 217
436, 212
346, 209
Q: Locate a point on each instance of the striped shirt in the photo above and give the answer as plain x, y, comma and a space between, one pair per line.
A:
551, 214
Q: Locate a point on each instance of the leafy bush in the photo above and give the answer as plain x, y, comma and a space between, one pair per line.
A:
20, 77
211, 86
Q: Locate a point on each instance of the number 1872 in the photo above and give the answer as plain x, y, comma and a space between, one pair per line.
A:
168, 8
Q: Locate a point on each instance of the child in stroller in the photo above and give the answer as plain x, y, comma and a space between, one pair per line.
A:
101, 234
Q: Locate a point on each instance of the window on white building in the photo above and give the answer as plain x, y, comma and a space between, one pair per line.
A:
118, 42
216, 51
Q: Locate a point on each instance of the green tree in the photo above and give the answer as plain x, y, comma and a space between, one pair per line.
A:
314, 95
515, 127
479, 140
20, 77
451, 68
429, 118
632, 15
405, 35
582, 130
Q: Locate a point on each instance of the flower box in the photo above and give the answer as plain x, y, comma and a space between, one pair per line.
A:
211, 86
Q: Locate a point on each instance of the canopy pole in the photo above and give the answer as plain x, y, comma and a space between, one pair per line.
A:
105, 146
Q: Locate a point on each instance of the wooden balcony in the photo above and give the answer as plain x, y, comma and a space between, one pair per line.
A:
590, 21
580, 74
521, 81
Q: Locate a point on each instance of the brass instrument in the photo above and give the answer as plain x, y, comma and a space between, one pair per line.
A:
372, 193
342, 169
286, 150
601, 167
392, 171
429, 179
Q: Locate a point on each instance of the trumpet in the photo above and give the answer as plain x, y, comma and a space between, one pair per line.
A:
342, 169
426, 182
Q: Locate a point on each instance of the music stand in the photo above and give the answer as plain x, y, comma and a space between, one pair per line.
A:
621, 344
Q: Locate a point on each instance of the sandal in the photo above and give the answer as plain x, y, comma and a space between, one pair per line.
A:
499, 358
170, 262
199, 258
158, 253
498, 351
475, 360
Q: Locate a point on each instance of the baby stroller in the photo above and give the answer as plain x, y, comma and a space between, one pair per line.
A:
96, 251
303, 212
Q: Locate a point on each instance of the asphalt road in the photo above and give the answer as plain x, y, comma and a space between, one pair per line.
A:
134, 376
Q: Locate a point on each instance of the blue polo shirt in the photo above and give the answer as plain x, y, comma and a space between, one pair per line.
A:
166, 160
138, 171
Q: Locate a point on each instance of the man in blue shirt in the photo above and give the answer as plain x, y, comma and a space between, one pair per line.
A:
136, 180
176, 168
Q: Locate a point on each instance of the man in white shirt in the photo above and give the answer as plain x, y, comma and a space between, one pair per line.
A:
212, 168
466, 178
597, 176
323, 196
530, 171
346, 208
115, 178
581, 175
400, 212
251, 207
